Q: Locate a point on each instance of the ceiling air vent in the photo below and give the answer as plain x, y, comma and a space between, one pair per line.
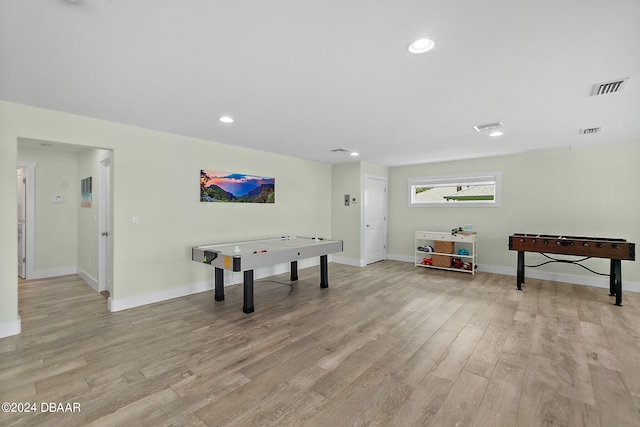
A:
488, 126
589, 131
609, 87
340, 150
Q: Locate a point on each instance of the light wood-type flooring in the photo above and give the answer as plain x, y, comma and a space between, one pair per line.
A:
389, 344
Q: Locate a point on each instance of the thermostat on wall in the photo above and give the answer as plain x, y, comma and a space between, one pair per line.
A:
57, 199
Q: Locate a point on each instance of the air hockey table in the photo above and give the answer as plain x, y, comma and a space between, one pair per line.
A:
249, 255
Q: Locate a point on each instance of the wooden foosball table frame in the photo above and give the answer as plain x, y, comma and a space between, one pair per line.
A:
616, 250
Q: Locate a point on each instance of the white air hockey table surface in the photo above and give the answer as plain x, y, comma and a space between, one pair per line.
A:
248, 255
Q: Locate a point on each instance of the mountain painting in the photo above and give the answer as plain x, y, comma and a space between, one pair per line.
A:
227, 187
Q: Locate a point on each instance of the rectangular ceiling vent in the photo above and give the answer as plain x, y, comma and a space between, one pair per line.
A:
589, 131
488, 126
609, 87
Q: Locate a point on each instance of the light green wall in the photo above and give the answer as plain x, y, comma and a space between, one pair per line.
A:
373, 169
56, 230
347, 221
588, 191
8, 223
156, 177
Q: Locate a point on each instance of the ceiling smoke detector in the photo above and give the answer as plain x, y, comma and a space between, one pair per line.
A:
489, 126
609, 87
589, 131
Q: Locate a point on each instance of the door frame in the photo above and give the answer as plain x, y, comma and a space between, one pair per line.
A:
103, 215
30, 216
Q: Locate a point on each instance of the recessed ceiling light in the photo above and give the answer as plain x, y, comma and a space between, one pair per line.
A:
496, 133
346, 150
226, 119
421, 46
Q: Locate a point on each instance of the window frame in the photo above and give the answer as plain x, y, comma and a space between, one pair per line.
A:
456, 180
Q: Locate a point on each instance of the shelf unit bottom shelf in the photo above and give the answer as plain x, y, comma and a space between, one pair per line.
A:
467, 259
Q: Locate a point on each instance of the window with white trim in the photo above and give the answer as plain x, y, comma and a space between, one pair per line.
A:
474, 190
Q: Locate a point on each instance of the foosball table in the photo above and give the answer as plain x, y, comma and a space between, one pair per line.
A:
616, 250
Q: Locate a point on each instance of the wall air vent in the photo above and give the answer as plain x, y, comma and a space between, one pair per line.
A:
609, 87
589, 131
488, 126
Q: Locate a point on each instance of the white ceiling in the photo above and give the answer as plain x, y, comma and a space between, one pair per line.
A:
304, 77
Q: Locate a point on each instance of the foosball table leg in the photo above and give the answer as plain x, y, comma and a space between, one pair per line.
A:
615, 281
520, 271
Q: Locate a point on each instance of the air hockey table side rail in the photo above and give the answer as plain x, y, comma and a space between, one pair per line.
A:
246, 256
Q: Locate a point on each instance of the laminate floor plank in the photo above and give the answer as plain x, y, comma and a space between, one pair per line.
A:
616, 406
425, 359
499, 406
455, 357
462, 402
388, 344
422, 405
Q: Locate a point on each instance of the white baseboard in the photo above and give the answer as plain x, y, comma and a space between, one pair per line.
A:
230, 278
140, 300
53, 272
404, 258
10, 328
88, 279
597, 281
349, 261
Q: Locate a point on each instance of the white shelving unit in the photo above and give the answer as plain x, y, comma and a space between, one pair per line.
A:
424, 239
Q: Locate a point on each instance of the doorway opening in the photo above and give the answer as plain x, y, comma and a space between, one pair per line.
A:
26, 219
63, 170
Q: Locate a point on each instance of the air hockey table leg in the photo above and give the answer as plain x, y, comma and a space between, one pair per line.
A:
248, 292
324, 272
219, 284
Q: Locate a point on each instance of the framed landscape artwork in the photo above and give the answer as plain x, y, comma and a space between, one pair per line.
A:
226, 187
86, 192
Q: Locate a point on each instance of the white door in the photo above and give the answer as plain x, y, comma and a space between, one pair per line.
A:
22, 224
375, 218
104, 222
